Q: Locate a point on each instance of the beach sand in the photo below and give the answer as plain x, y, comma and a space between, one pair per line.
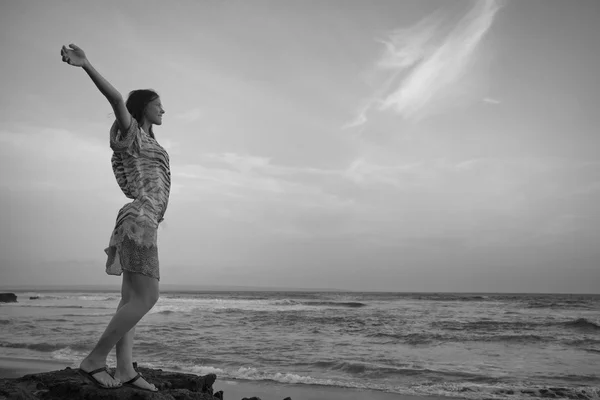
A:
236, 390
11, 367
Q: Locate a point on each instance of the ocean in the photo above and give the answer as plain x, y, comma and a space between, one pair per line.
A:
462, 345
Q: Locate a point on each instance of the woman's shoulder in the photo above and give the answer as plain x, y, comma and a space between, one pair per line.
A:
125, 140
118, 132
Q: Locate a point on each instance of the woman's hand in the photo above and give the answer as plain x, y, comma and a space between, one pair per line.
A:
73, 56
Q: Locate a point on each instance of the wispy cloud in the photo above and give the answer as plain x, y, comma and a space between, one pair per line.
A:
173, 147
422, 67
389, 202
48, 158
362, 172
491, 100
190, 116
254, 177
253, 190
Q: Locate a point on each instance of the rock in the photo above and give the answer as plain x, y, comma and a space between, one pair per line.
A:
68, 384
8, 298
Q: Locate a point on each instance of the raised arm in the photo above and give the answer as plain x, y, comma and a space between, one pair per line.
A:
76, 57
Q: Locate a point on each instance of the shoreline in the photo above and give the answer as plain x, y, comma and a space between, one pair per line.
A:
268, 390
234, 389
15, 367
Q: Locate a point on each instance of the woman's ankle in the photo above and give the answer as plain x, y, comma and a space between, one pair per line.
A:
93, 361
125, 365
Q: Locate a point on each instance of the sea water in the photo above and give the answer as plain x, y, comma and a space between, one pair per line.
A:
463, 345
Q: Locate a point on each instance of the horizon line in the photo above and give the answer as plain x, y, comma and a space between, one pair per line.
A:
173, 287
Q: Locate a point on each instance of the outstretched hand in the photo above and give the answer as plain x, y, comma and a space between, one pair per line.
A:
73, 56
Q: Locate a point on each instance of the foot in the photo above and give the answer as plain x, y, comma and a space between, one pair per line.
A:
129, 374
102, 377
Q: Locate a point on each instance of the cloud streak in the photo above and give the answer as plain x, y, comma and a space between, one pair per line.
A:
422, 68
190, 116
50, 160
491, 100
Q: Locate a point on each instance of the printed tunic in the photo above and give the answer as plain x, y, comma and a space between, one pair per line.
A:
141, 167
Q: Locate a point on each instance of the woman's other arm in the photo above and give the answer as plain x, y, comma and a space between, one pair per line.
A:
75, 56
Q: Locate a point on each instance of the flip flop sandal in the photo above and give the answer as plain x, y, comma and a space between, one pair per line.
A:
135, 368
90, 377
130, 384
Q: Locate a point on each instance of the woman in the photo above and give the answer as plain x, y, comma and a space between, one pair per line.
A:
141, 167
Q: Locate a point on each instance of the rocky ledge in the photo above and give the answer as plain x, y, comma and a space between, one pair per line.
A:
8, 298
68, 384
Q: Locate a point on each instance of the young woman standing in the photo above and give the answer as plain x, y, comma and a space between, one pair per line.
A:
141, 167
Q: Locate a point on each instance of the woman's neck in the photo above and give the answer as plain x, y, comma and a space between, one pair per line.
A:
146, 126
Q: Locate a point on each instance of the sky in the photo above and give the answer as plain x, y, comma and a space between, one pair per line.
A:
410, 146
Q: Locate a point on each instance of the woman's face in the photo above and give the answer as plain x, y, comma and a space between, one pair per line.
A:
154, 111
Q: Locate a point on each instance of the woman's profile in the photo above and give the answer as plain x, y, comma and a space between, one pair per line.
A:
141, 168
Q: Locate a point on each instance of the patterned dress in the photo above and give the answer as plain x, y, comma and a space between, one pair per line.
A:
141, 167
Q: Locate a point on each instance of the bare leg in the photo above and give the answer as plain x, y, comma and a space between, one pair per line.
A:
125, 344
144, 294
125, 352
125, 371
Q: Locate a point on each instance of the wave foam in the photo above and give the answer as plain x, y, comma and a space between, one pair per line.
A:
501, 391
251, 373
43, 347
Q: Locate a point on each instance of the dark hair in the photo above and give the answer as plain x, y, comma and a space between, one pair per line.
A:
137, 102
